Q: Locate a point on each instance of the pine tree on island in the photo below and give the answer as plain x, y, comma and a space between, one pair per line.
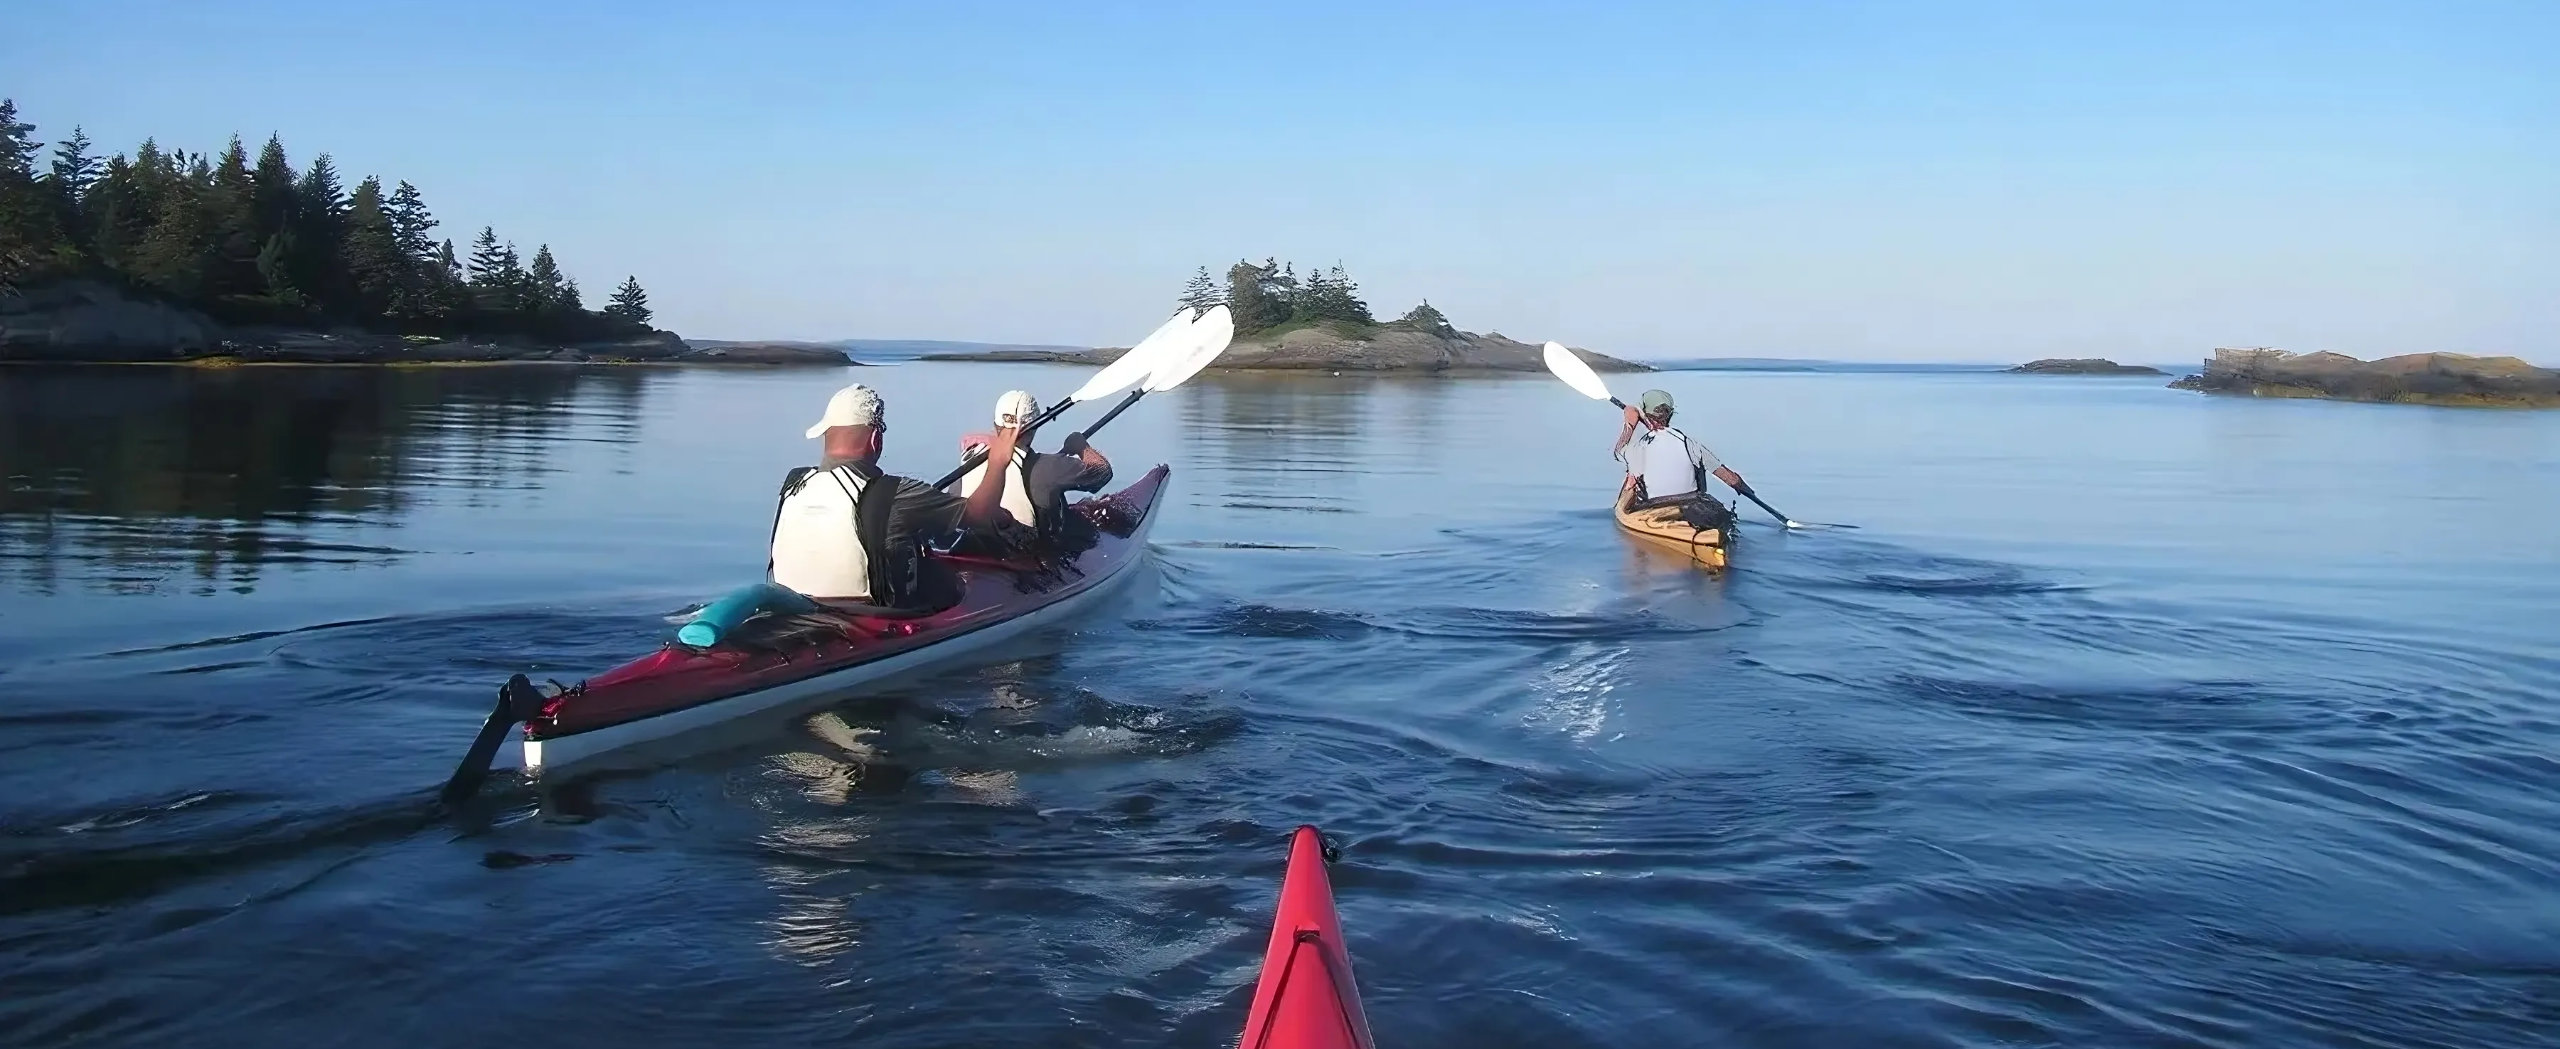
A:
629, 302
543, 284
1203, 293
1426, 318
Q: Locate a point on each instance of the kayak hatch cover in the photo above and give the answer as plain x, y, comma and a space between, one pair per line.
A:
1306, 998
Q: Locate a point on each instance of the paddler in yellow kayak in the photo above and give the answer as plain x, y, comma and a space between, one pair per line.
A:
1667, 468
846, 532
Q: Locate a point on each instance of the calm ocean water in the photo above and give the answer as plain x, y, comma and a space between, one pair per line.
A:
2125, 718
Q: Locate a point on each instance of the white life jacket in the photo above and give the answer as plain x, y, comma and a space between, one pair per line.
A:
1017, 487
1662, 460
817, 545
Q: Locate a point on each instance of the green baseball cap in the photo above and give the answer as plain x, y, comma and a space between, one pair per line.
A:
1655, 402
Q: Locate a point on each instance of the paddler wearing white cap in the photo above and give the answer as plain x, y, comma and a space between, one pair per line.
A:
844, 531
1665, 466
1036, 484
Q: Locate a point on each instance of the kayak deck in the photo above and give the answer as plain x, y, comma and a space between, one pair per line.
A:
1662, 528
680, 687
1306, 998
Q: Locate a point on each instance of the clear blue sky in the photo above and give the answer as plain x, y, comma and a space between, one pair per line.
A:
1947, 181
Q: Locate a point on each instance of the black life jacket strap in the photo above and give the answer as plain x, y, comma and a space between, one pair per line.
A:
791, 485
889, 585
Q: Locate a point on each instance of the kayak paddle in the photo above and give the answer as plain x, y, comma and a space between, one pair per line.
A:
1210, 335
1579, 375
1171, 338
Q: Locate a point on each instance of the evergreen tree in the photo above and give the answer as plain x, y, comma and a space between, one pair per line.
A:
419, 294
1284, 288
1203, 292
1426, 318
175, 254
18, 146
232, 208
375, 267
629, 302
73, 168
150, 181
1314, 299
1252, 298
28, 232
320, 212
271, 191
515, 288
485, 258
448, 290
411, 223
1342, 301
569, 300
74, 171
275, 270
115, 215
543, 290
272, 206
498, 283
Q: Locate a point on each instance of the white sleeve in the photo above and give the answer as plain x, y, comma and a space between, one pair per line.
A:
1705, 459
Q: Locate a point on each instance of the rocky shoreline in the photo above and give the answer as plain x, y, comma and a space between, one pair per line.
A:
88, 322
2450, 379
2083, 366
1321, 348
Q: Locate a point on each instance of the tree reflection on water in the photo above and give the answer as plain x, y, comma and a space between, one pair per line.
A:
127, 478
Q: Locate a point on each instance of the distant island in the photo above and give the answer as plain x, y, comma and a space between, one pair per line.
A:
166, 255
872, 351
1320, 323
2083, 366
2451, 379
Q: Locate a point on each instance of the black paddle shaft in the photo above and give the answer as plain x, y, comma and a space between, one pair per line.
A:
1115, 411
980, 455
1773, 511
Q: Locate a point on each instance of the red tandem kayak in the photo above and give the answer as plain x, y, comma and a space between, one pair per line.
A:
810, 659
1306, 998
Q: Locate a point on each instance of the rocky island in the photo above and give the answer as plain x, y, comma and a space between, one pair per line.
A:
2419, 378
166, 256
2083, 366
1382, 348
1284, 323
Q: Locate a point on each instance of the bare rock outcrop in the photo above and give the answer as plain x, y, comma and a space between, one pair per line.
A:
2418, 378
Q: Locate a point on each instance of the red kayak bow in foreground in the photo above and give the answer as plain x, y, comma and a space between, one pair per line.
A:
1306, 999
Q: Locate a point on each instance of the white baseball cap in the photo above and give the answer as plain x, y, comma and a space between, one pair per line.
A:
855, 405
1016, 408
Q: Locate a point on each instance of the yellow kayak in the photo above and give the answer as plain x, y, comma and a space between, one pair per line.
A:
1662, 529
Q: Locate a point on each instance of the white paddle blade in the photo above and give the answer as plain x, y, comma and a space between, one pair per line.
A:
1173, 336
1575, 373
1210, 337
